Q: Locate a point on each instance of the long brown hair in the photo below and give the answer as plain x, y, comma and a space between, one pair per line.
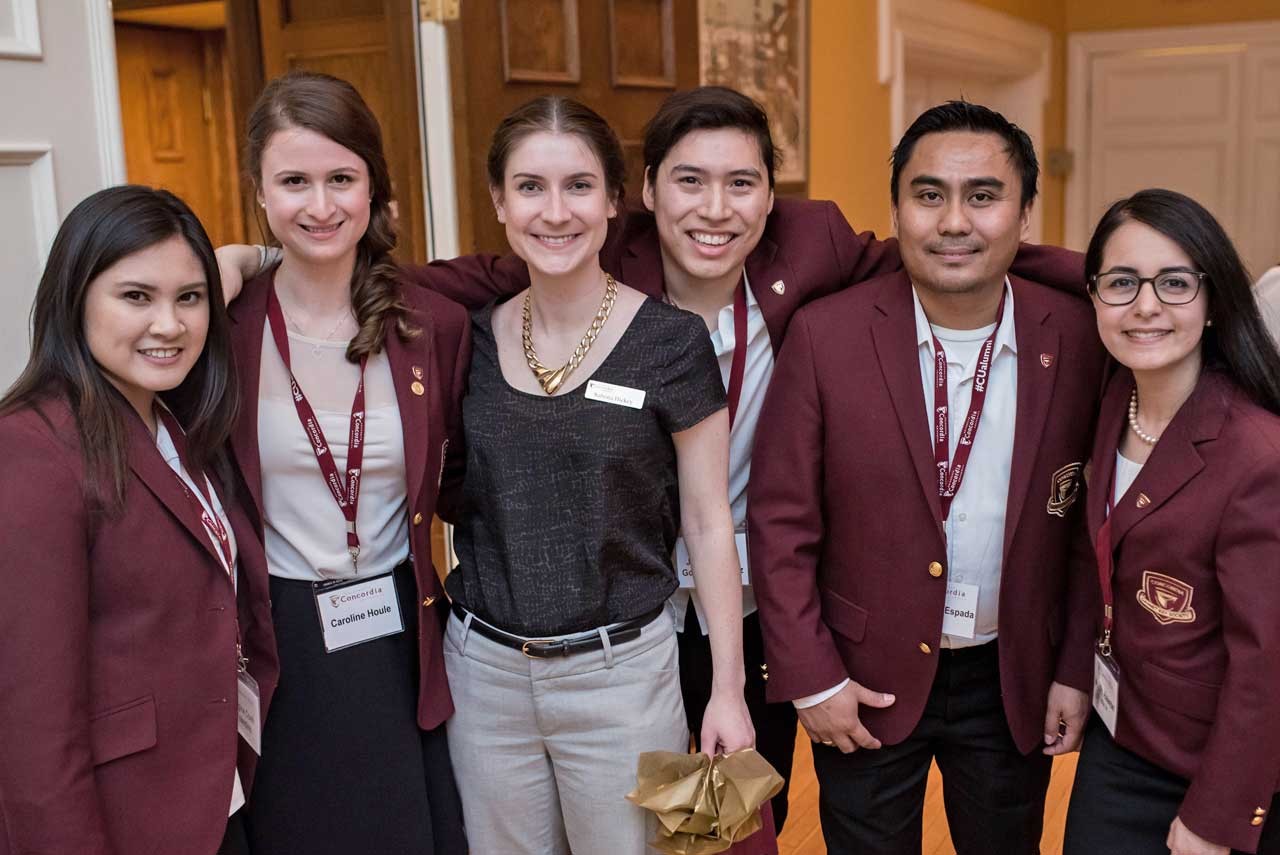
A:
334, 109
100, 231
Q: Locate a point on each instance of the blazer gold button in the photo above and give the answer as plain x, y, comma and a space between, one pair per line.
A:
1257, 820
428, 601
1259, 811
418, 388
935, 569
926, 649
417, 519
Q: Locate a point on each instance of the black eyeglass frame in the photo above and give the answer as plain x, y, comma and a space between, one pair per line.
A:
1143, 280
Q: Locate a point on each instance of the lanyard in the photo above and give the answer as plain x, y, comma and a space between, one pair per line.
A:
212, 523
951, 472
738, 366
1104, 551
345, 492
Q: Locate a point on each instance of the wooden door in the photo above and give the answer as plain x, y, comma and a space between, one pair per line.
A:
622, 58
177, 127
370, 44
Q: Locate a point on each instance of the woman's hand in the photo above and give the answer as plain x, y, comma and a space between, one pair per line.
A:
726, 724
1184, 841
237, 263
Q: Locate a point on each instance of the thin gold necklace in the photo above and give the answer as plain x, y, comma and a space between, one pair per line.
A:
551, 379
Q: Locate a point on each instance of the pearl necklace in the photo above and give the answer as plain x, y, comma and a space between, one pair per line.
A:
1133, 421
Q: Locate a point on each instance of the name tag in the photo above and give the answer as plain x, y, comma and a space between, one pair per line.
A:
960, 612
249, 711
1106, 690
623, 396
353, 612
684, 567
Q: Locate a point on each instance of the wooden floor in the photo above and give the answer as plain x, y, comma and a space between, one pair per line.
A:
803, 836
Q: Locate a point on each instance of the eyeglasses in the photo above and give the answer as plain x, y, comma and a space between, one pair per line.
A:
1173, 288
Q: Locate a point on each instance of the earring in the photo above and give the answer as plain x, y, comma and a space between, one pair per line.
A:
1209, 322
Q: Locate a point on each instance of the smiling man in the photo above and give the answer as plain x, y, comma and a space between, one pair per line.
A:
912, 511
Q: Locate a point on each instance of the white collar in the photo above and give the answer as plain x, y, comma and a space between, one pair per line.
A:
1006, 338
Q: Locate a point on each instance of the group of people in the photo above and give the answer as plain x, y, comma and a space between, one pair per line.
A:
701, 487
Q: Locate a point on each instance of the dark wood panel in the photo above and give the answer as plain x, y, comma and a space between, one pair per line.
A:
642, 43
540, 41
323, 11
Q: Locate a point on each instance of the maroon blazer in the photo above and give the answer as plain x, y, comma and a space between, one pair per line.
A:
118, 652
844, 517
435, 363
1197, 601
807, 251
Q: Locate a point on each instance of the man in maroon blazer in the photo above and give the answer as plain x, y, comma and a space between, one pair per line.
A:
710, 224
913, 528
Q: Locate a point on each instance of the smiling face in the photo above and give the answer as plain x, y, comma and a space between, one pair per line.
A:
316, 194
146, 318
959, 216
711, 199
554, 203
1146, 335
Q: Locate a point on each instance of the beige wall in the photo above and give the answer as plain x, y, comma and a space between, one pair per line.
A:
849, 109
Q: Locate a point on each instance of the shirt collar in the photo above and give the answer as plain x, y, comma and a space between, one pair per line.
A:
1006, 338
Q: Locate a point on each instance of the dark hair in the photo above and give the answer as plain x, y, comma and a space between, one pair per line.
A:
99, 232
963, 116
334, 109
1238, 342
701, 109
559, 115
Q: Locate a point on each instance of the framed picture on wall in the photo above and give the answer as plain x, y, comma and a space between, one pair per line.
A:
760, 47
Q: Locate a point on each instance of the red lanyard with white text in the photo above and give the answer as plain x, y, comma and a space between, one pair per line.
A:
1104, 551
208, 516
738, 367
345, 492
951, 472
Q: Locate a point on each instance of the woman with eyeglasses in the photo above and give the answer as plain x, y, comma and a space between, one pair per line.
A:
1182, 752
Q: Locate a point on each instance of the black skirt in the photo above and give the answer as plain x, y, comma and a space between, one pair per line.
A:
345, 767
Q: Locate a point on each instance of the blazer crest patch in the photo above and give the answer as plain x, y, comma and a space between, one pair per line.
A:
1064, 488
1166, 598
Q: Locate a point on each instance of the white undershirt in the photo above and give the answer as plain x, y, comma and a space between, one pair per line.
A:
305, 530
1126, 473
976, 523
757, 370
164, 443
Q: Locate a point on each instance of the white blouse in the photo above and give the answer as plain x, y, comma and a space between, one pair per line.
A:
1126, 473
305, 530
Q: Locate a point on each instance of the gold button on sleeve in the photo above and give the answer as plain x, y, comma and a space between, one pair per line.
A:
935, 569
417, 519
1257, 820
924, 648
428, 601
1259, 811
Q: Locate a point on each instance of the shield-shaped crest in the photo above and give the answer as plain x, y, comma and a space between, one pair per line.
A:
1046, 359
1064, 488
1166, 598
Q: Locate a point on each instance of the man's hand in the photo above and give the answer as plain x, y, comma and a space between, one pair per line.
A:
1184, 841
835, 720
1064, 719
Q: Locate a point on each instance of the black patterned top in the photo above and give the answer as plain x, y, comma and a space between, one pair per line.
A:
570, 506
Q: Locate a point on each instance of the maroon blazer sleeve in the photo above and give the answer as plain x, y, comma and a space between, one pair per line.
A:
48, 795
453, 467
471, 280
1239, 763
786, 527
1051, 265
1075, 656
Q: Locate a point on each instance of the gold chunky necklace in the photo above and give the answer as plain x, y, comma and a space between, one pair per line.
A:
551, 379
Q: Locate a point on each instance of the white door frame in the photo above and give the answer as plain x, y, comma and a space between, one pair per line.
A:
989, 42
1084, 48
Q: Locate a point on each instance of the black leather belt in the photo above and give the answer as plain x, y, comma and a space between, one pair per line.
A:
545, 648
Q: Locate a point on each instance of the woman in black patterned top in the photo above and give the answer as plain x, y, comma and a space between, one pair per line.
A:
596, 429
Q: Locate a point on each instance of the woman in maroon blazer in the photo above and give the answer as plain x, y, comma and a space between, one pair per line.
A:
135, 623
1183, 753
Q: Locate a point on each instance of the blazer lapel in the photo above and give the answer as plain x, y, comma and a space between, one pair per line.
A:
248, 316
413, 376
1111, 417
769, 273
894, 335
163, 482
1037, 371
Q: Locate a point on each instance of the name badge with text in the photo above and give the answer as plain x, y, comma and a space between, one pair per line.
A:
608, 393
960, 612
684, 566
355, 611
1106, 690
249, 711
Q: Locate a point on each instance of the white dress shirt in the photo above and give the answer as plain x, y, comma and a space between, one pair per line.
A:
975, 525
1126, 473
755, 382
169, 451
1267, 290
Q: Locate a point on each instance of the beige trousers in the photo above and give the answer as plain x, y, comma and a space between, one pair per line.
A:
545, 750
